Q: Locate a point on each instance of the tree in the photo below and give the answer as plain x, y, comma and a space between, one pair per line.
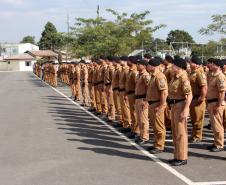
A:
28, 39
179, 36
159, 44
98, 36
218, 25
50, 38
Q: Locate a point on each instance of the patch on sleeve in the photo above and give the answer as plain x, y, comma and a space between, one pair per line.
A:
162, 83
221, 83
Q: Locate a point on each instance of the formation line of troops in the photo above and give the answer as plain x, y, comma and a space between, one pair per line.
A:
135, 94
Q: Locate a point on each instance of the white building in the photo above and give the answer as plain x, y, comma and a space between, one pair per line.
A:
14, 58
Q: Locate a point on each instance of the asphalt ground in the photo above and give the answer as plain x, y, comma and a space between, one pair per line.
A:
47, 139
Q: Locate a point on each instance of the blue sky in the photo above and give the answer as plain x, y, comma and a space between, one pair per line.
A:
19, 18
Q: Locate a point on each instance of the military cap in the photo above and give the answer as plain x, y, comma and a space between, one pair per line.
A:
82, 61
103, 57
196, 60
169, 58
223, 61
133, 59
110, 58
217, 62
124, 58
139, 57
116, 59
148, 56
180, 62
155, 61
142, 62
159, 59
204, 62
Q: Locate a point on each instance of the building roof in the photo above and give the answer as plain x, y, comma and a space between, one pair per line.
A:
42, 53
23, 56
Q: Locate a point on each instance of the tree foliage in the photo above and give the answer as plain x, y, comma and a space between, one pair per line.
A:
178, 36
50, 38
28, 39
98, 36
218, 25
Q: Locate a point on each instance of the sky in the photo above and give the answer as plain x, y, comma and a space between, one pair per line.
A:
19, 18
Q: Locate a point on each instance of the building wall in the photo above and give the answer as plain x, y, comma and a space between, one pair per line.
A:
23, 66
16, 66
9, 66
15, 49
27, 47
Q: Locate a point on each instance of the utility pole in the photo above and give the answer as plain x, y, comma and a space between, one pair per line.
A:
156, 46
142, 49
68, 27
98, 11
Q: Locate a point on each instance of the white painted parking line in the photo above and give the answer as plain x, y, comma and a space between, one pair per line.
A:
211, 183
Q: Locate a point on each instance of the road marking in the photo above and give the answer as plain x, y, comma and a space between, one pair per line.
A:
146, 153
210, 183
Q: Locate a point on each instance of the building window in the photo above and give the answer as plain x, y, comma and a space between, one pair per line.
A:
14, 51
27, 63
8, 62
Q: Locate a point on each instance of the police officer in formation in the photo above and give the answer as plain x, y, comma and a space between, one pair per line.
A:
136, 94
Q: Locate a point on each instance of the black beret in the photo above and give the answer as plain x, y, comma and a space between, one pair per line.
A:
116, 59
142, 62
176, 56
180, 62
148, 56
124, 58
133, 59
82, 61
187, 59
210, 60
103, 57
204, 62
196, 60
169, 58
138, 57
110, 58
224, 61
154, 62
159, 59
217, 62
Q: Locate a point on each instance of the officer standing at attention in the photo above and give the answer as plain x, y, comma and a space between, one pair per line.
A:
96, 88
126, 119
101, 86
130, 91
84, 83
77, 86
109, 71
198, 105
224, 71
216, 104
169, 73
157, 93
91, 86
115, 88
141, 105
180, 97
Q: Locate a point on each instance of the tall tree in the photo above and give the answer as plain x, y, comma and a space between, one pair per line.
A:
50, 38
118, 37
179, 36
28, 39
218, 25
